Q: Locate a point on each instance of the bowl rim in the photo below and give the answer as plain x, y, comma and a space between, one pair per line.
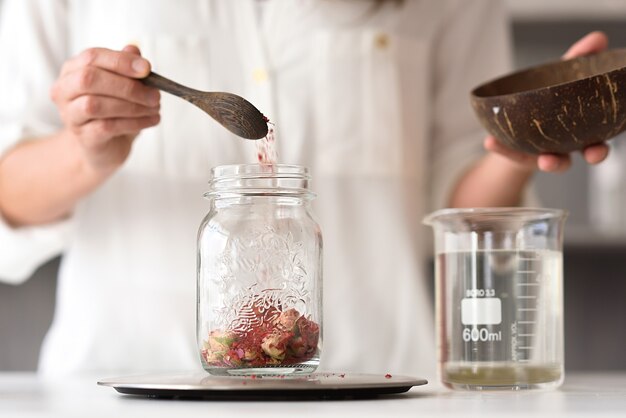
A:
547, 65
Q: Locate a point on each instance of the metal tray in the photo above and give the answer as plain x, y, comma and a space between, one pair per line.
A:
313, 386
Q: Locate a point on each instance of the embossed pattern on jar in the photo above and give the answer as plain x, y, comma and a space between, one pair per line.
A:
259, 273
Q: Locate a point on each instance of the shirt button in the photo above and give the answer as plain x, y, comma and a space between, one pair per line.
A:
259, 75
381, 41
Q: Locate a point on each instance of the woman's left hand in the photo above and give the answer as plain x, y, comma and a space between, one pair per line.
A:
594, 154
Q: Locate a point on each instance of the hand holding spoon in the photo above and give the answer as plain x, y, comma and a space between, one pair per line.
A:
231, 111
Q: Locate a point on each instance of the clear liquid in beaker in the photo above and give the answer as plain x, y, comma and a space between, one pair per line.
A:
500, 318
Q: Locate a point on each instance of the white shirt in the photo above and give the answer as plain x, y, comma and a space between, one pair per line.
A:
374, 102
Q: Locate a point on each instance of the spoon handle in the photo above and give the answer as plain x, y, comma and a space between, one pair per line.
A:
155, 80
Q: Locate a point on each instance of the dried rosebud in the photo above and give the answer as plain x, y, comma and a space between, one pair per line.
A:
275, 345
273, 361
309, 331
213, 357
232, 359
221, 340
250, 354
297, 347
287, 320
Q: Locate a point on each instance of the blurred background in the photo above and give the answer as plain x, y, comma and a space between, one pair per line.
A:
595, 239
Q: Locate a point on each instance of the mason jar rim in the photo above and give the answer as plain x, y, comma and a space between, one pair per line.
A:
258, 171
259, 180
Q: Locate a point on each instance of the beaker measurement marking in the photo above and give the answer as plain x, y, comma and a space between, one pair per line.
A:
526, 322
527, 271
528, 309
527, 277
524, 348
482, 334
525, 335
526, 297
527, 284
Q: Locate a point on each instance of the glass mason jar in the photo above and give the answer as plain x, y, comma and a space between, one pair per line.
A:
259, 300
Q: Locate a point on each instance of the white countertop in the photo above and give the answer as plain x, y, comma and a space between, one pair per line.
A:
594, 395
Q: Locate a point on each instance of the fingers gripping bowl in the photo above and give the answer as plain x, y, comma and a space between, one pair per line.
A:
558, 107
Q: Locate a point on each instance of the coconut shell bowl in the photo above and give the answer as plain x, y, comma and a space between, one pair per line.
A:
557, 107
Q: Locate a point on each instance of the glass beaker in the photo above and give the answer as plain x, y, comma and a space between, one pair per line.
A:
499, 297
259, 301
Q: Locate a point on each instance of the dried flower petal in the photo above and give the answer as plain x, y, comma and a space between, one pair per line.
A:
221, 341
275, 345
287, 320
309, 331
298, 347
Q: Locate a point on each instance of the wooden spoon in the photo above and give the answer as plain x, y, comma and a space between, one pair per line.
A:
233, 112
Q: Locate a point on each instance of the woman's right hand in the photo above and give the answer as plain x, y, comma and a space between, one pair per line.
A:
103, 104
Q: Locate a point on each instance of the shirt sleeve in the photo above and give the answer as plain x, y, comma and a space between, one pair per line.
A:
472, 45
33, 46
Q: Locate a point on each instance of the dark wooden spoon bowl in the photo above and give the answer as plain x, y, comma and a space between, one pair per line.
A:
558, 107
233, 112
